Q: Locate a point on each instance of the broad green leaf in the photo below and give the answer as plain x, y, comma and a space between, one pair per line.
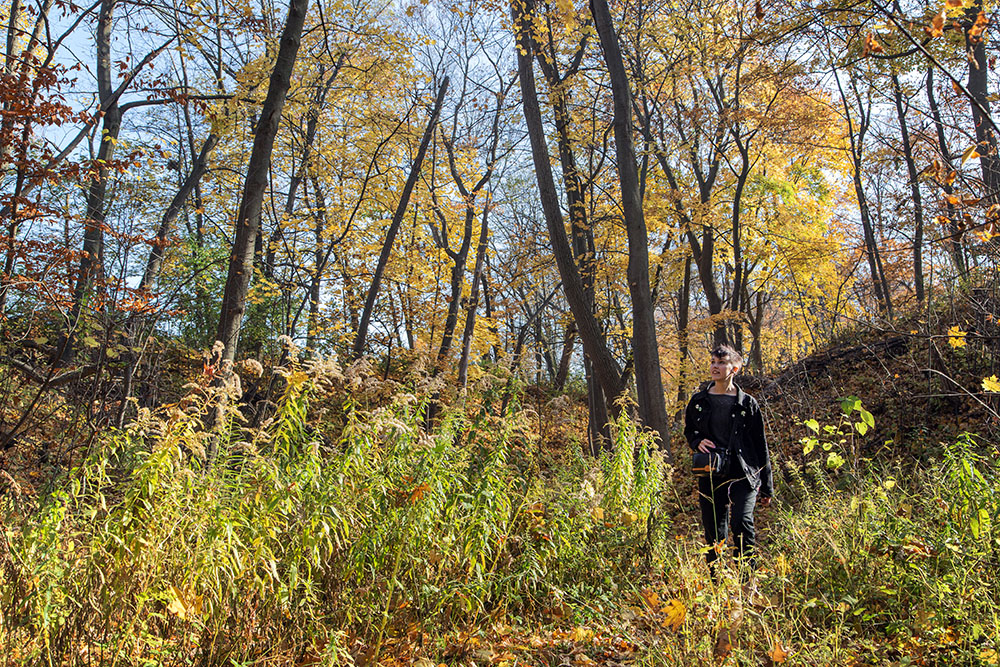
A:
812, 425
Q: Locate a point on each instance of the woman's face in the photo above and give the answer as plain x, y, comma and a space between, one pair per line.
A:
722, 368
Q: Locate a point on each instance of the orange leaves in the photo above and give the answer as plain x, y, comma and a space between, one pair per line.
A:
936, 28
871, 46
778, 654
976, 32
758, 10
419, 492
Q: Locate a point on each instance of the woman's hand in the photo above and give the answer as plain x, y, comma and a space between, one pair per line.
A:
705, 446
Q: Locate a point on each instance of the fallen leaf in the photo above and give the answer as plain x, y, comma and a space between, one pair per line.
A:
675, 613
991, 384
723, 644
777, 654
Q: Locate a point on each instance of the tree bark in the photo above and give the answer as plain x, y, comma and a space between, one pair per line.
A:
397, 219
649, 383
255, 185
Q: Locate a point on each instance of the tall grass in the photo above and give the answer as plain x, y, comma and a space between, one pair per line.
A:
292, 543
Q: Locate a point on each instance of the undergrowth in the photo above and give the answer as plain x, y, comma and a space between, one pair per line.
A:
292, 542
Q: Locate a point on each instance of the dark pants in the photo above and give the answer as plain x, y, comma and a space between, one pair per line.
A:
728, 503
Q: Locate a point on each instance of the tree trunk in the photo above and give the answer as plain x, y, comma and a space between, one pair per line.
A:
92, 258
649, 383
319, 265
470, 318
918, 209
955, 248
683, 320
198, 169
397, 219
249, 215
604, 365
569, 342
978, 87
856, 135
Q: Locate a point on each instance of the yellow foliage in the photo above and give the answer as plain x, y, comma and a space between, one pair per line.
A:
956, 337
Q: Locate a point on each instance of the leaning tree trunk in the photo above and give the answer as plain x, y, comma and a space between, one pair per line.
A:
248, 218
198, 169
649, 383
918, 208
955, 248
397, 219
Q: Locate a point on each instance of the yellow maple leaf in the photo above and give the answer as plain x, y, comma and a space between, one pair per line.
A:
991, 384
956, 337
675, 612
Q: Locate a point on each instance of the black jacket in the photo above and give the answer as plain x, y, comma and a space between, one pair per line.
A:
746, 439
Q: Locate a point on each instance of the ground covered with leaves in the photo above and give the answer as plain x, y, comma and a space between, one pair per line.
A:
343, 530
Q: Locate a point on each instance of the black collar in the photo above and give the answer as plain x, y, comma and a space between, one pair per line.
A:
703, 393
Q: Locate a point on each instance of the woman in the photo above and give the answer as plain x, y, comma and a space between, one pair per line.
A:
722, 418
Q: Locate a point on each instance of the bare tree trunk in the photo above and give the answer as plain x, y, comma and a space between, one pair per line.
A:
918, 209
248, 217
856, 135
683, 320
569, 342
360, 339
198, 170
319, 265
470, 318
649, 383
92, 258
